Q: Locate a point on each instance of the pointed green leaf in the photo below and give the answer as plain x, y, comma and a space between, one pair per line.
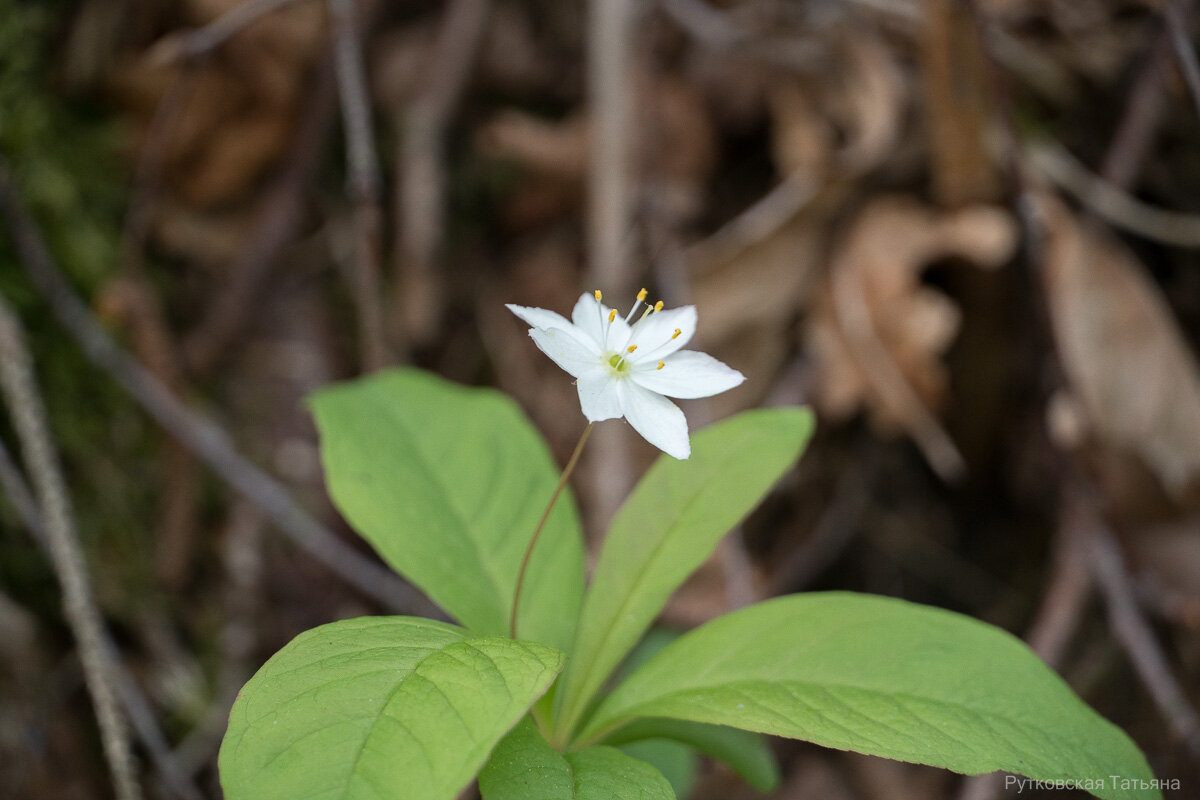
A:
447, 484
746, 752
677, 762
378, 708
667, 528
660, 741
889, 678
525, 767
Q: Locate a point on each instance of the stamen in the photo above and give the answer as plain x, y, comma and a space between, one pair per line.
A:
658, 306
642, 295
612, 315
661, 364
675, 335
599, 295
631, 348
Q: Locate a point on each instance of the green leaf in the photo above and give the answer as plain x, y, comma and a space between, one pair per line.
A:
884, 677
670, 524
377, 708
447, 483
677, 762
747, 753
669, 744
525, 767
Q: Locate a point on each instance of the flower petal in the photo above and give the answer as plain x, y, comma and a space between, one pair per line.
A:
687, 374
657, 419
598, 395
539, 317
653, 334
568, 348
591, 317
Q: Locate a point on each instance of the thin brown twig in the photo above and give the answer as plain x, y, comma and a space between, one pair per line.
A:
1110, 202
141, 714
756, 223
363, 183
611, 195
1133, 632
420, 163
199, 42
207, 439
1175, 14
854, 319
66, 554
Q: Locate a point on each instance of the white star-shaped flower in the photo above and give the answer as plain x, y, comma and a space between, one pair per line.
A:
625, 370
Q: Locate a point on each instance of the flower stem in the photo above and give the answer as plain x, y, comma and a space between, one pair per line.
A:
537, 532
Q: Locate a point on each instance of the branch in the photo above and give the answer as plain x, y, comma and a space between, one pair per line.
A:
208, 440
66, 554
1110, 202
1175, 15
1133, 633
141, 715
420, 168
362, 177
199, 42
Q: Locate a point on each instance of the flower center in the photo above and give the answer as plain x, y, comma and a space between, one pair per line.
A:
618, 363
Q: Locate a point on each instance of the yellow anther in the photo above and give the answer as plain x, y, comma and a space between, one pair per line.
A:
675, 335
658, 306
660, 365
631, 348
641, 295
612, 315
599, 295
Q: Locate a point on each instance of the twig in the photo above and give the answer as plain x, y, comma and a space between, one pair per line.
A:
1175, 16
610, 199
29, 420
420, 167
1133, 632
854, 319
758, 222
12, 483
276, 225
1144, 105
362, 179
201, 434
1110, 202
141, 715
200, 42
610, 184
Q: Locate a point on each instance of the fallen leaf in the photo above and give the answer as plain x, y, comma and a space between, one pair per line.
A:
1121, 347
877, 334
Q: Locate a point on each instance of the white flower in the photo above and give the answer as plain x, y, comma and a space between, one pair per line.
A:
625, 370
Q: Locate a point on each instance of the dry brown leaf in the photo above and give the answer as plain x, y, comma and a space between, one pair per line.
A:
731, 291
549, 148
877, 333
1121, 348
236, 109
846, 122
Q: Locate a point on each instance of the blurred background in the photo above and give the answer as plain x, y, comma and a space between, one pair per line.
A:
965, 231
